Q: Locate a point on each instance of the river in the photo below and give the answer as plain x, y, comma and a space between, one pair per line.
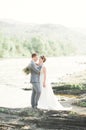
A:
12, 78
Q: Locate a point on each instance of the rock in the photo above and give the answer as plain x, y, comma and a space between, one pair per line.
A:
74, 89
30, 119
63, 120
27, 127
81, 101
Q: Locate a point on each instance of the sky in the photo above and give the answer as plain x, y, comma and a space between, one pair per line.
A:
70, 13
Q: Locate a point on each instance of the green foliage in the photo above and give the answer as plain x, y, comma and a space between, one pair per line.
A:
82, 104
72, 113
14, 43
13, 47
78, 86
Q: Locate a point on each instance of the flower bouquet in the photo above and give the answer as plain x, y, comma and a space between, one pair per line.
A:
26, 70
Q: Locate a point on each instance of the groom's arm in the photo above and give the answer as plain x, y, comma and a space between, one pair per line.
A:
35, 68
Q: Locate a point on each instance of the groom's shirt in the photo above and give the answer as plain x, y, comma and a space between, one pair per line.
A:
35, 72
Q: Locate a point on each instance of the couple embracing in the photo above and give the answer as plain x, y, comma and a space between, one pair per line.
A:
42, 94
35, 78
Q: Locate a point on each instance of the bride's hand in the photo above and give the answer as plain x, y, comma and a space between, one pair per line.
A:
44, 84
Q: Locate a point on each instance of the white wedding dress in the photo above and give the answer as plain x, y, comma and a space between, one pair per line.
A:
47, 99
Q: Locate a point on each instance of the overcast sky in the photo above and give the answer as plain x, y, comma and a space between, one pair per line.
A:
71, 13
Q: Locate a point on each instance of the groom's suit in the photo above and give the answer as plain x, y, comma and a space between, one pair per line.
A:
35, 81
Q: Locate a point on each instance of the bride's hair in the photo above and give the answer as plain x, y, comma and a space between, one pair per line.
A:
43, 58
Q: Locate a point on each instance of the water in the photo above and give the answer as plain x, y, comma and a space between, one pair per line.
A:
12, 78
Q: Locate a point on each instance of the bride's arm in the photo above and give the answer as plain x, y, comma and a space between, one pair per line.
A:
44, 71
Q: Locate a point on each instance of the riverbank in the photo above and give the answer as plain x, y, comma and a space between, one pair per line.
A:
72, 90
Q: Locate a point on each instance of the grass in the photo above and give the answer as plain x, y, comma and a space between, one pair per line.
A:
74, 89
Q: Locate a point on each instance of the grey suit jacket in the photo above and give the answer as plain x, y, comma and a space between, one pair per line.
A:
35, 72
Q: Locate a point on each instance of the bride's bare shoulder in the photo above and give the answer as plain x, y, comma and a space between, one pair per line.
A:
44, 67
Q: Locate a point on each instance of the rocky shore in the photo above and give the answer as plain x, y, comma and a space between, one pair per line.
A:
30, 119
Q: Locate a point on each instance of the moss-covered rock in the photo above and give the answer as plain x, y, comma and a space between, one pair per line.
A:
74, 89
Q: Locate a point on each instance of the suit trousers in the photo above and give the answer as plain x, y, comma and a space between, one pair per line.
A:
36, 92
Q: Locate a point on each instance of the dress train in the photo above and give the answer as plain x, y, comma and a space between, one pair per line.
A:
47, 99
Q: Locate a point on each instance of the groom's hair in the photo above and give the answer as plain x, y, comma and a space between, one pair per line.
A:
34, 54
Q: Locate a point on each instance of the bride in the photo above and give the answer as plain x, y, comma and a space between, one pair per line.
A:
47, 99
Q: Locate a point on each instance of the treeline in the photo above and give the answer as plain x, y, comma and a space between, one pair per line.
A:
22, 47
21, 40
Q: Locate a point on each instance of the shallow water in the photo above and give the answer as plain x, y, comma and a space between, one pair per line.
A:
12, 78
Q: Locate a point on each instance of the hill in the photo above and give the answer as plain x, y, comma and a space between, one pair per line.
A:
18, 39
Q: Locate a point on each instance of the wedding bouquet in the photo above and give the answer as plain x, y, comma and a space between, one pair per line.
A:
26, 70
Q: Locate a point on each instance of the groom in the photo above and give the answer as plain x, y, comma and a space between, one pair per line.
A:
35, 80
